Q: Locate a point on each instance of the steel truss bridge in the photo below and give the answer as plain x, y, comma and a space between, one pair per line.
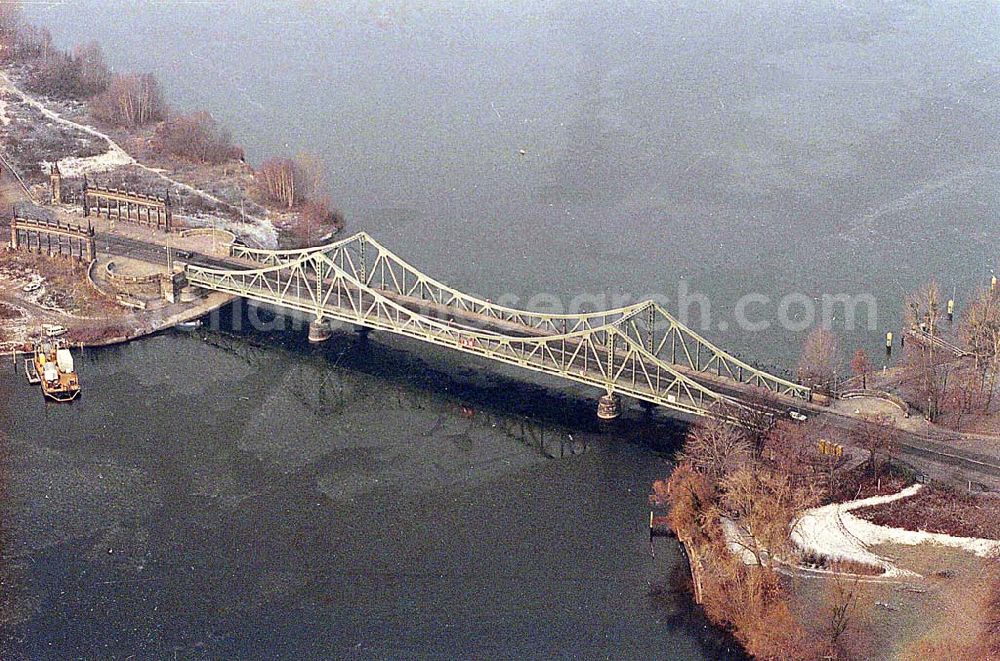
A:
640, 350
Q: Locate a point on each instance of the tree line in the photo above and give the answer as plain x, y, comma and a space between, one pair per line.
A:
931, 378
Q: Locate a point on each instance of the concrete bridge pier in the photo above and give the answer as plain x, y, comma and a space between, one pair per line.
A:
320, 330
609, 406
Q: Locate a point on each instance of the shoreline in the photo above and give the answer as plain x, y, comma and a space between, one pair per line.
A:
213, 302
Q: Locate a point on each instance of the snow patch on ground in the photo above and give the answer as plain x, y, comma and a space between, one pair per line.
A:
75, 166
834, 532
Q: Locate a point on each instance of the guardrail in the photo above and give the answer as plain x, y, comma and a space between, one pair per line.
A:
937, 342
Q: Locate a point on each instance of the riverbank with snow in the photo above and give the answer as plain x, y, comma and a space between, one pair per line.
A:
834, 533
112, 159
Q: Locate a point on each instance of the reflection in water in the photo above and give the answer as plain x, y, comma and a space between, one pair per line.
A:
219, 494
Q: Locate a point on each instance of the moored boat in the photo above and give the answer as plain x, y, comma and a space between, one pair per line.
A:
55, 371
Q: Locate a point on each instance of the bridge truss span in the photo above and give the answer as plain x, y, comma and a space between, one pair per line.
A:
638, 350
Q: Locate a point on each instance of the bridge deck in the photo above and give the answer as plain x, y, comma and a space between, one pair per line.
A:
589, 349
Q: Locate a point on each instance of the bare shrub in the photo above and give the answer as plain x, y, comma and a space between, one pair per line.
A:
98, 333
692, 514
316, 221
197, 137
940, 510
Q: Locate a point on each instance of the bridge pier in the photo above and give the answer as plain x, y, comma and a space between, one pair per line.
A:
609, 407
319, 330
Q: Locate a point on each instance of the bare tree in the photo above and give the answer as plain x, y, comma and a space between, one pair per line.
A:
716, 448
792, 448
861, 365
754, 602
980, 331
818, 362
11, 23
762, 504
964, 394
925, 377
31, 42
923, 308
876, 434
311, 175
845, 603
275, 183
130, 101
756, 417
289, 183
94, 75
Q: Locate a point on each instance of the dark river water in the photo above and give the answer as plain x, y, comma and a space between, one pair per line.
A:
220, 495
247, 496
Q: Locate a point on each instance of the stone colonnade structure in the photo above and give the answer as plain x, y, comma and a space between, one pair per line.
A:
129, 206
52, 237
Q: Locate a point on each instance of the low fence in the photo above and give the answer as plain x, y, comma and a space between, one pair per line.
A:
225, 236
937, 342
119, 279
899, 402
